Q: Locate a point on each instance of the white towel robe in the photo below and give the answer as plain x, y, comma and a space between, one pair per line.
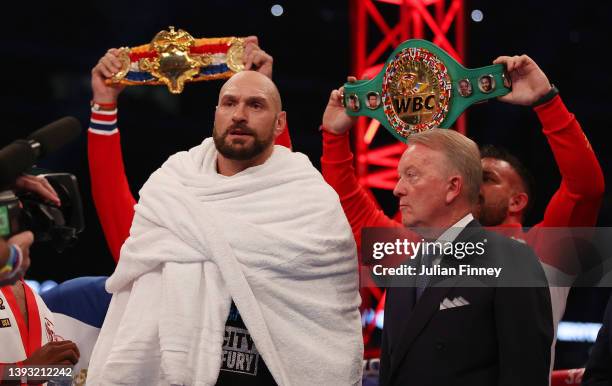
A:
273, 238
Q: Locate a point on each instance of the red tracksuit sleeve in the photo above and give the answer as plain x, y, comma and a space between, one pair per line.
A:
337, 168
576, 203
111, 193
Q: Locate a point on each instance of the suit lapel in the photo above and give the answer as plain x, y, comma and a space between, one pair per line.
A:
430, 301
421, 314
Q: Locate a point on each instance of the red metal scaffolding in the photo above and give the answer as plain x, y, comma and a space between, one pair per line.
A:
377, 27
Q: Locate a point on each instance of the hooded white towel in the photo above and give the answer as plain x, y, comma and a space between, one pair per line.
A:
273, 238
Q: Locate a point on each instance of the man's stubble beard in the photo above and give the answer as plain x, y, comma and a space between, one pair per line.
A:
492, 215
241, 152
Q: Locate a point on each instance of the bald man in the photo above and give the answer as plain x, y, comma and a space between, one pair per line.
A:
110, 188
248, 118
240, 268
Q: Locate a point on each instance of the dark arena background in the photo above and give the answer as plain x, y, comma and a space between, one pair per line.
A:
49, 49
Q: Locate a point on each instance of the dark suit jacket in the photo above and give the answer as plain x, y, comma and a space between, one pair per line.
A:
599, 367
502, 337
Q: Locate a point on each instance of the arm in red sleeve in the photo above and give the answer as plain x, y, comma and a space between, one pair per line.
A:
337, 169
111, 193
576, 203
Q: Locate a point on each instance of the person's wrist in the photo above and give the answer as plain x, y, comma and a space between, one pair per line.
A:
332, 132
103, 103
14, 260
547, 96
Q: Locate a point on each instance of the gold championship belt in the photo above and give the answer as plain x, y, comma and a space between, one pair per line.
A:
175, 57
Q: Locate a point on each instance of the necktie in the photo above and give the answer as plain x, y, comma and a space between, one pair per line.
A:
422, 280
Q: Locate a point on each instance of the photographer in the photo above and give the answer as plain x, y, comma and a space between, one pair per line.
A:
14, 253
26, 333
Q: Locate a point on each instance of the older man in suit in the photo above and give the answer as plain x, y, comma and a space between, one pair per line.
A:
447, 330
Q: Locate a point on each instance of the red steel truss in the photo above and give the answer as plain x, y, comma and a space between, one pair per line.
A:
419, 19
377, 27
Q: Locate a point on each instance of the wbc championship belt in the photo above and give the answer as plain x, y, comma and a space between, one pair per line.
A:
421, 87
175, 57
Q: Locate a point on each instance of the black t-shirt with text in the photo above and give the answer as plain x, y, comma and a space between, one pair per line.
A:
241, 363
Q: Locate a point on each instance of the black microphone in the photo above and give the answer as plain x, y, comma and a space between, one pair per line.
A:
21, 155
50, 138
14, 160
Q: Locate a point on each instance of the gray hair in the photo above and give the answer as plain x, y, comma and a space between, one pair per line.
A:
461, 152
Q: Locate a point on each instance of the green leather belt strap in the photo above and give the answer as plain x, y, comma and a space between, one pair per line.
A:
421, 87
